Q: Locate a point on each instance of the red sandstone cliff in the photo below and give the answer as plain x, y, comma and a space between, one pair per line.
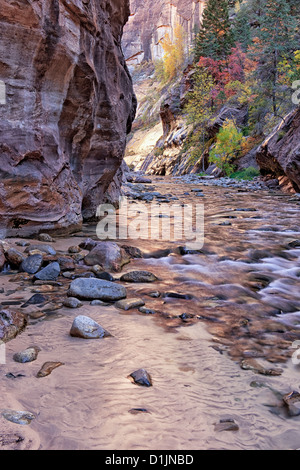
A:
69, 104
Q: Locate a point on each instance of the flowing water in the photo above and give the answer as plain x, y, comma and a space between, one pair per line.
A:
236, 300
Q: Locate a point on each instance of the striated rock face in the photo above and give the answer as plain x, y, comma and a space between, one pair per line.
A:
151, 21
279, 156
67, 108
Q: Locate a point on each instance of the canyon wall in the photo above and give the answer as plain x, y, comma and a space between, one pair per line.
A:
66, 106
150, 21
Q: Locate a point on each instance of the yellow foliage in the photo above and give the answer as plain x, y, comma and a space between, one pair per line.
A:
174, 53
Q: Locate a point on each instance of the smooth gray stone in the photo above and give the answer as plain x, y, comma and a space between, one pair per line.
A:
93, 288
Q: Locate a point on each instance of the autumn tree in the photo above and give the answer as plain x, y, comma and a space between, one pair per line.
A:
174, 53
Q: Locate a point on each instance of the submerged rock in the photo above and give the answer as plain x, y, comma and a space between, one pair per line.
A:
18, 417
226, 425
138, 276
141, 377
48, 367
86, 327
93, 288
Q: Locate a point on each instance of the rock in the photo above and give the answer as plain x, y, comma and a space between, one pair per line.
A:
74, 249
132, 251
11, 324
47, 368
176, 295
14, 257
88, 244
93, 288
49, 250
127, 304
2, 258
292, 401
72, 302
138, 276
32, 264
18, 417
142, 179
28, 355
226, 425
62, 160
49, 273
99, 303
106, 276
147, 311
141, 377
108, 255
135, 411
252, 364
86, 327
45, 237
294, 244
66, 263
36, 299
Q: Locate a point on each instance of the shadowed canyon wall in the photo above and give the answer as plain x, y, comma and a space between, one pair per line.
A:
68, 105
150, 21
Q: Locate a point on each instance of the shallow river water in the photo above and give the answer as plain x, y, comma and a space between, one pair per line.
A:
242, 302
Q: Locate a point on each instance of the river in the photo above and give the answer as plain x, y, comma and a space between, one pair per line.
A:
235, 301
